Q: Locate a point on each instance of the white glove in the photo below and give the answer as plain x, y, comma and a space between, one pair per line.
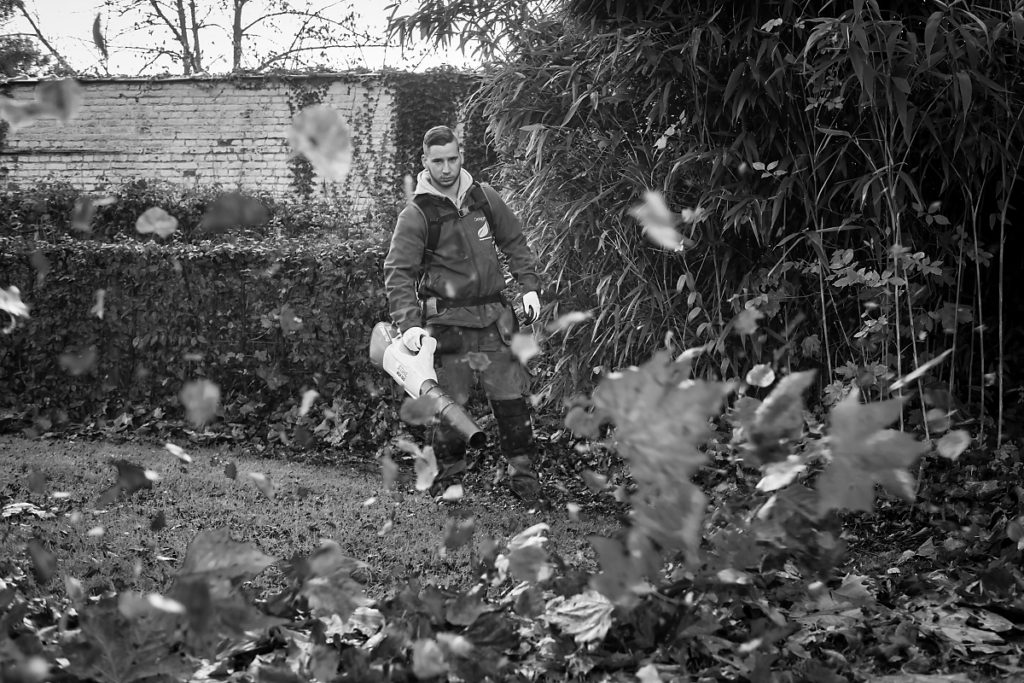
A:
531, 307
413, 338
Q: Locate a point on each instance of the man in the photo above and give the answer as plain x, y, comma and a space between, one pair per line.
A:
443, 279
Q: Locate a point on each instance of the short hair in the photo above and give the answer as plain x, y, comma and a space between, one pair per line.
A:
438, 135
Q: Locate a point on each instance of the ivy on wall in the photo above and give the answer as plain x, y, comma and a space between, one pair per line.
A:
440, 96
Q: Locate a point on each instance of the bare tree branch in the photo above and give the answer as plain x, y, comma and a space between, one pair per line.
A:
281, 55
42, 39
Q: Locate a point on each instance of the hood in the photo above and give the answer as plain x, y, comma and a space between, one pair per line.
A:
424, 186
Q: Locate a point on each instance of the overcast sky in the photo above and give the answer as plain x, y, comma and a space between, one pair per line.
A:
68, 26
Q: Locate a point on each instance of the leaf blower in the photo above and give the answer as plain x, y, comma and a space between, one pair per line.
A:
415, 373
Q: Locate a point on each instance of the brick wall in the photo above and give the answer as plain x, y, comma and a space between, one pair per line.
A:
200, 131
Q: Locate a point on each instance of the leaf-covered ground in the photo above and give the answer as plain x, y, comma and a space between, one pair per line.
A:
138, 542
927, 592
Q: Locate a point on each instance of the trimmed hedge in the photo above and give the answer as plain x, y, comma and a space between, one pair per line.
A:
264, 320
204, 213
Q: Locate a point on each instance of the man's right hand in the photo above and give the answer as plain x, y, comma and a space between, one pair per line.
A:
413, 338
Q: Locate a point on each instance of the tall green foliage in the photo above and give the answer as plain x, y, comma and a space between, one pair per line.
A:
854, 163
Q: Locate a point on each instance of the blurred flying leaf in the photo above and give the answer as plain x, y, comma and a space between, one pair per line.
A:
178, 452
573, 510
52, 98
564, 322
426, 469
44, 562
41, 264
779, 474
586, 616
594, 481
937, 420
78, 362
97, 37
408, 187
321, 135
213, 553
201, 399
389, 472
418, 411
327, 583
158, 521
61, 98
761, 375
37, 481
263, 483
12, 305
746, 322
864, 454
99, 299
19, 114
82, 214
910, 377
428, 660
478, 361
74, 588
232, 210
130, 478
290, 322
659, 222
453, 493
308, 397
155, 220
458, 532
524, 347
954, 443
527, 557
231, 470
771, 424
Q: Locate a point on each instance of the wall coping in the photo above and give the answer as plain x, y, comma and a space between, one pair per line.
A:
354, 76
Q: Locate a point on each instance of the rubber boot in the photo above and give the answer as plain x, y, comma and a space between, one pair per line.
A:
515, 434
450, 452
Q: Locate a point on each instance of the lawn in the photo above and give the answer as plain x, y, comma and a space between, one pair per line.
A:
137, 541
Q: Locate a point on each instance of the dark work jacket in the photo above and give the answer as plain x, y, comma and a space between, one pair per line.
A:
465, 263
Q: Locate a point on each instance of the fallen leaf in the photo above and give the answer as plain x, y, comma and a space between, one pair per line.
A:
586, 616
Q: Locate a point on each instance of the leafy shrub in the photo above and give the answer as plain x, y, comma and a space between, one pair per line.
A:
204, 213
853, 162
117, 329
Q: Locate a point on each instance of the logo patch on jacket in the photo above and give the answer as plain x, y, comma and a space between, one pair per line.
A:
484, 232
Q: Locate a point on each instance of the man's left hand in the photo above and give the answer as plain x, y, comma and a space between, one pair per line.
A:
531, 307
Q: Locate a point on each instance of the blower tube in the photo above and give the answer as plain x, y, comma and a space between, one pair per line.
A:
452, 415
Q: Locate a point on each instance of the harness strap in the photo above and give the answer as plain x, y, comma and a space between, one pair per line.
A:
495, 298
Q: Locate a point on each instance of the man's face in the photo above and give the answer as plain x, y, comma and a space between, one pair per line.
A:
443, 163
